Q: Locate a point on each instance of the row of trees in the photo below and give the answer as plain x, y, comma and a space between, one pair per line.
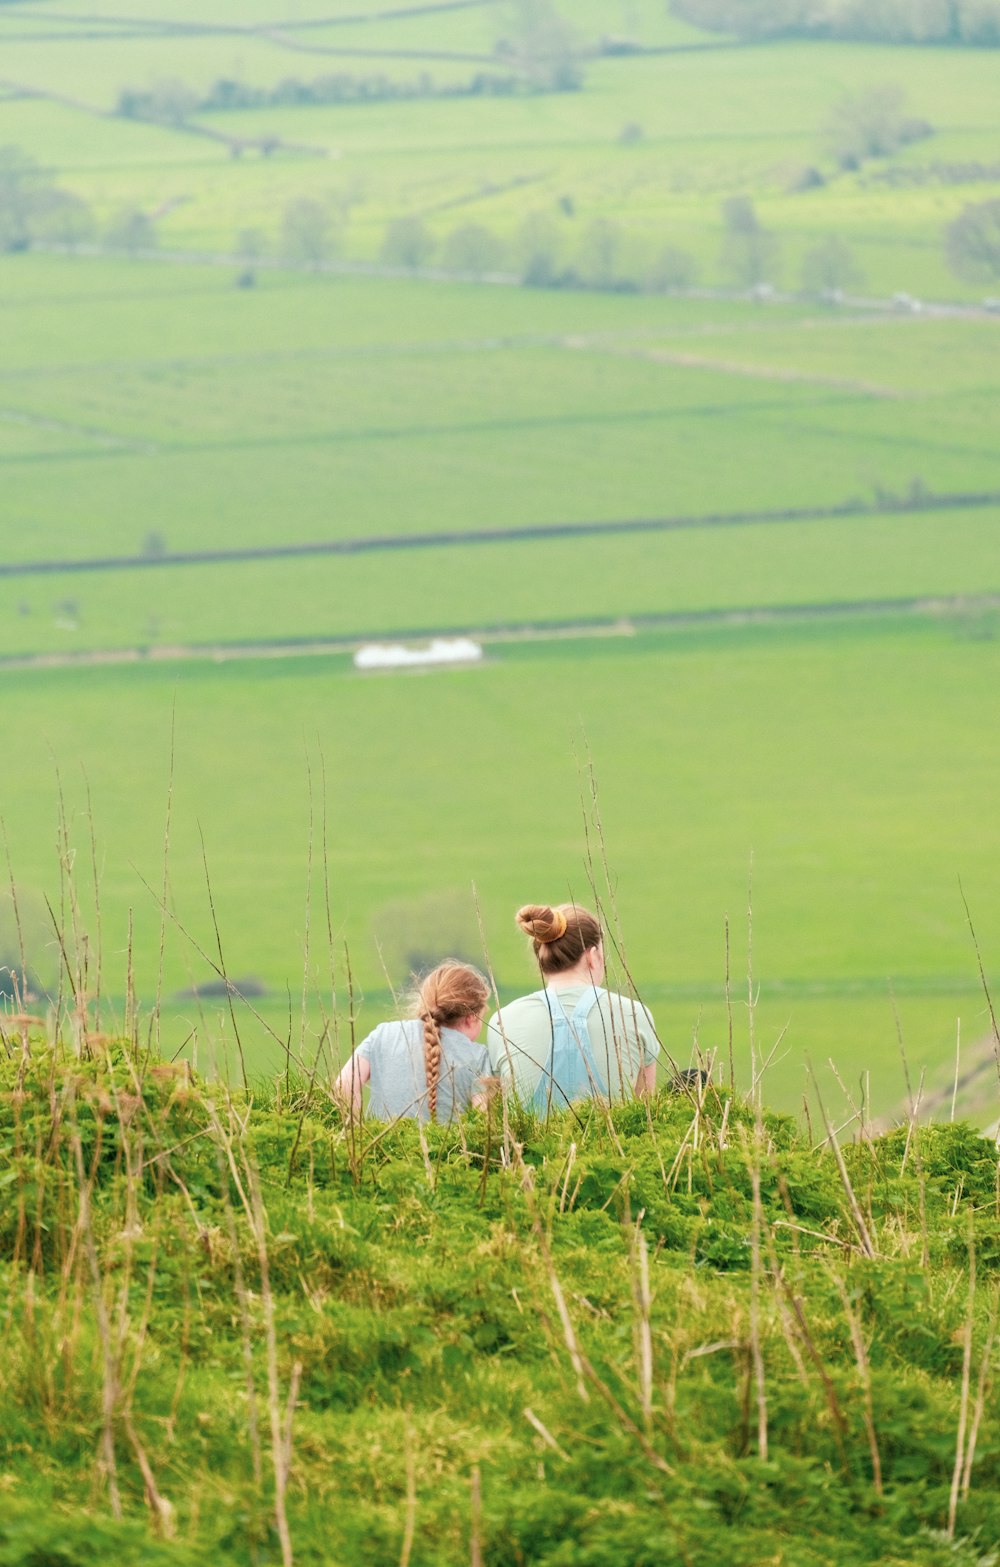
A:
172, 102
974, 22
750, 255
34, 210
538, 53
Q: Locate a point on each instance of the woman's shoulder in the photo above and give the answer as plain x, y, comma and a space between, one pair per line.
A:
526, 1003
631, 1006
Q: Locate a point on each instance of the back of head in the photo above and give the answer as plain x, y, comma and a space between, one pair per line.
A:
560, 935
448, 993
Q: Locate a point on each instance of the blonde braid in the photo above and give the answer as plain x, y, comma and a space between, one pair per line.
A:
447, 994
432, 1061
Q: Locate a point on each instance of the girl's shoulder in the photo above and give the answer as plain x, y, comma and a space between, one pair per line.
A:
458, 1045
395, 1031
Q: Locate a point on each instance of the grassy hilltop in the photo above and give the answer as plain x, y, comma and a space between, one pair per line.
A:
237, 1329
735, 547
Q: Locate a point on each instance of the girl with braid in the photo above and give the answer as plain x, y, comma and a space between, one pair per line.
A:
571, 1039
427, 1066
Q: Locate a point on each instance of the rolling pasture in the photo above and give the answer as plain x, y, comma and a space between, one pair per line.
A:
590, 478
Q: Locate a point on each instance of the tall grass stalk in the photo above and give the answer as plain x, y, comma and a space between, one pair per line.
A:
864, 1372
983, 1386
859, 1220
963, 1408
983, 981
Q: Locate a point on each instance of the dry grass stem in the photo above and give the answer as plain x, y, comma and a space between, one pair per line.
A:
859, 1220
985, 1368
864, 1372
544, 1432
410, 1522
475, 1518
963, 1407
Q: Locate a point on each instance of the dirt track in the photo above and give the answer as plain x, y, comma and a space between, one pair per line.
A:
955, 607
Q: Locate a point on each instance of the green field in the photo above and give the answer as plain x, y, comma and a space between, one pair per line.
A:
852, 765
830, 712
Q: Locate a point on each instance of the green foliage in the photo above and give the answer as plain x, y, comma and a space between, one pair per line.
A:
872, 124
33, 207
973, 241
408, 242
750, 252
892, 21
308, 233
474, 249
413, 1295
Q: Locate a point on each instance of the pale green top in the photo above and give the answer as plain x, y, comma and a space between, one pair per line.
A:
622, 1038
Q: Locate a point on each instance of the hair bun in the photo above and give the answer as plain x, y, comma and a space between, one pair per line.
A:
541, 922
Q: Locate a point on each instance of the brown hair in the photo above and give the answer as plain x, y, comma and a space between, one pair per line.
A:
449, 992
560, 934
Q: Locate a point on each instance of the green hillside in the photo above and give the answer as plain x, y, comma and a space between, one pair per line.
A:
246, 1332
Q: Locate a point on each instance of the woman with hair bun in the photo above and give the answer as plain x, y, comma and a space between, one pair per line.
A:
572, 1039
428, 1066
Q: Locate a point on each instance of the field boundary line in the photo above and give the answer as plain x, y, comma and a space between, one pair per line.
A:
160, 27
528, 532
954, 606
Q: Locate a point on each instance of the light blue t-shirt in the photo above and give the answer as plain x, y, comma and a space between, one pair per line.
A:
398, 1083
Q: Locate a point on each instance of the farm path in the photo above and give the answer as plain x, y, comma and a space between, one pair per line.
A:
954, 606
755, 372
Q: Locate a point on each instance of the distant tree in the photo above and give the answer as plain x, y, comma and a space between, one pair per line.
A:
132, 231
829, 266
21, 182
408, 242
673, 268
979, 22
413, 933
599, 251
891, 21
973, 242
167, 102
538, 250
308, 232
251, 244
542, 43
63, 217
473, 248
750, 253
871, 124
154, 545
746, 18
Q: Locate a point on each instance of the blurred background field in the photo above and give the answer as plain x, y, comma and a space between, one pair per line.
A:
722, 402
